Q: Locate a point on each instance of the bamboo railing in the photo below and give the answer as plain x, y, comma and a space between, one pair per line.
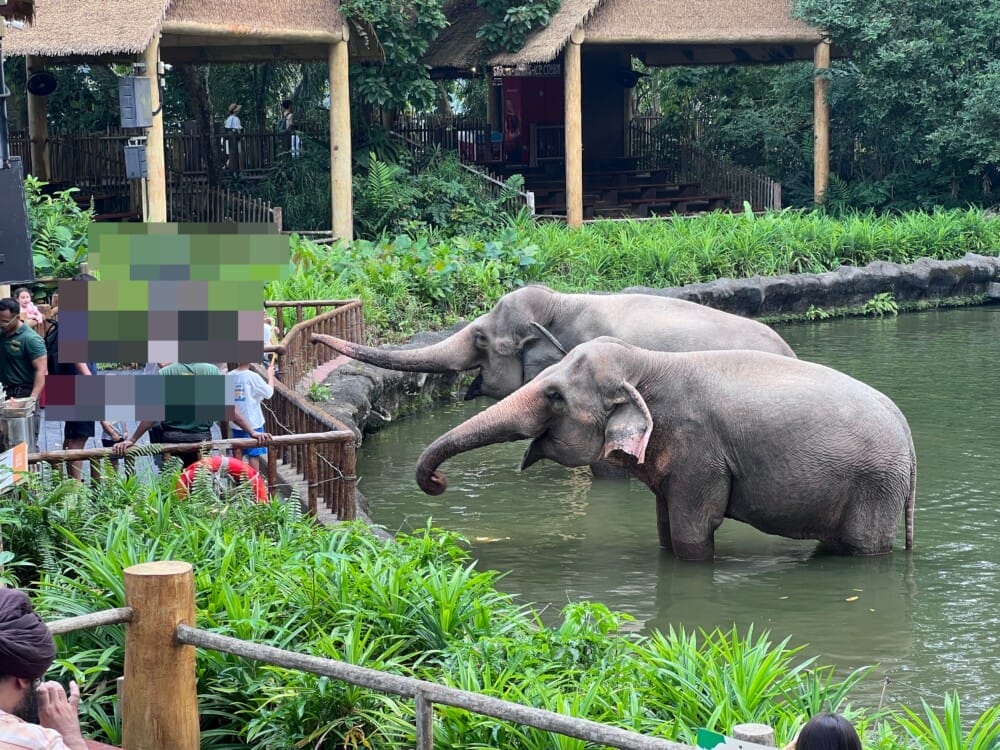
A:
194, 202
299, 356
159, 695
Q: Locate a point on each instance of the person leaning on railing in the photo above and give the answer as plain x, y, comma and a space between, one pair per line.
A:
34, 715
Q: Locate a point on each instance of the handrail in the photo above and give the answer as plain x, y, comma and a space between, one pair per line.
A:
429, 692
168, 586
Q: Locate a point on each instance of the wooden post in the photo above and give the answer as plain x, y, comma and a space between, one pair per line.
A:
821, 118
492, 105
38, 126
574, 130
340, 141
160, 711
760, 734
156, 183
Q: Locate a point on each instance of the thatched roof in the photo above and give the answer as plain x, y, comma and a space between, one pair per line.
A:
17, 10
662, 32
192, 30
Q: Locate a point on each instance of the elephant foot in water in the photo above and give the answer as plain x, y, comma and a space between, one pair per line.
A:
608, 470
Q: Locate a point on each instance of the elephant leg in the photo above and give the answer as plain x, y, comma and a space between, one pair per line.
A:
663, 523
696, 507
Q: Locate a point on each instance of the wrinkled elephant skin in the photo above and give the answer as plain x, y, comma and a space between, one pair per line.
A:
533, 327
790, 447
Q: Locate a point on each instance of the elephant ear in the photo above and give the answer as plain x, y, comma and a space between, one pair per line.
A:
629, 426
540, 352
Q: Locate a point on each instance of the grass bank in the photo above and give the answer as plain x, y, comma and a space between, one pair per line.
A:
418, 608
413, 283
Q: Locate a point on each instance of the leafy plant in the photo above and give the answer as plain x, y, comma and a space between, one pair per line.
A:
318, 393
816, 313
932, 732
881, 304
58, 228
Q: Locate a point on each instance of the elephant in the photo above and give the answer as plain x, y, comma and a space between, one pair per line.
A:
790, 447
533, 327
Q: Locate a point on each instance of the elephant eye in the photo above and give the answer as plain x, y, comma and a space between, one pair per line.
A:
554, 397
481, 341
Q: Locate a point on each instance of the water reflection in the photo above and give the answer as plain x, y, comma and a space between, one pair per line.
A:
931, 619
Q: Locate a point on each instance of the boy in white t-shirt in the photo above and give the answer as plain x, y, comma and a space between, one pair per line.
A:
247, 390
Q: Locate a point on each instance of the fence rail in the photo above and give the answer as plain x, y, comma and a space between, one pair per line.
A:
689, 162
299, 356
194, 202
159, 707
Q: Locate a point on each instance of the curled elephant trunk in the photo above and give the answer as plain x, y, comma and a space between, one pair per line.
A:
521, 415
455, 354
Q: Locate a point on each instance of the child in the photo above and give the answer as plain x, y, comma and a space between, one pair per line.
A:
247, 390
29, 313
826, 732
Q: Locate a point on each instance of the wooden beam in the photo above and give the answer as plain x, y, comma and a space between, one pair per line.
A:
160, 704
155, 204
574, 129
340, 142
234, 31
38, 126
821, 122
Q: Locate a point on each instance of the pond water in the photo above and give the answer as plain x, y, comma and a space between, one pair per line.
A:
929, 619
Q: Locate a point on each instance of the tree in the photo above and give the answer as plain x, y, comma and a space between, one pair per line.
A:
919, 89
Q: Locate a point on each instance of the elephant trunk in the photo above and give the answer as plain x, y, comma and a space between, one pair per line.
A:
518, 416
455, 354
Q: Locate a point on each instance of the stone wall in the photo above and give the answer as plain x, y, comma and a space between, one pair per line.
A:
367, 398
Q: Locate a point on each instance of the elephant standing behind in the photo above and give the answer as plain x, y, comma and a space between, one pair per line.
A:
534, 327
790, 447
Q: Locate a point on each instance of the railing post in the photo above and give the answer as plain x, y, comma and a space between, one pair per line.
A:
424, 722
160, 711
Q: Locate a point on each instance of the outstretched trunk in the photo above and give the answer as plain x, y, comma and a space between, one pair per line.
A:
521, 415
455, 354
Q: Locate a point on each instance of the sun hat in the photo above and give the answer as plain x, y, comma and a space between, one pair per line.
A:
234, 108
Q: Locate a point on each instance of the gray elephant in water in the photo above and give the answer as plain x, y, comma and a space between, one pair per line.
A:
790, 447
534, 326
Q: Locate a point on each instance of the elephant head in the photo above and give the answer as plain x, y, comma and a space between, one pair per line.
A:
509, 345
584, 410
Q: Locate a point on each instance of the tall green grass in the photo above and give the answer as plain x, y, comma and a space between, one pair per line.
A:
417, 608
428, 281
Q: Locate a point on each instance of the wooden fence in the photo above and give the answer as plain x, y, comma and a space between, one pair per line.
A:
197, 202
159, 693
688, 162
299, 356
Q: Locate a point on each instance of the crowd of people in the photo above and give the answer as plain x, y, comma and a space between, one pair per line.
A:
26, 362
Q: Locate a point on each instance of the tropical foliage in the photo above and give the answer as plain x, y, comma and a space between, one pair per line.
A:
58, 227
417, 608
426, 280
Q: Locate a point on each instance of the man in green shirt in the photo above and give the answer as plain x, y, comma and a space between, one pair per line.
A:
23, 359
187, 431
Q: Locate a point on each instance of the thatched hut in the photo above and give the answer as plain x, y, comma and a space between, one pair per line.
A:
587, 47
193, 31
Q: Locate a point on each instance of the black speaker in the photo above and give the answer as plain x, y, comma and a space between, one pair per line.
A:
41, 83
15, 239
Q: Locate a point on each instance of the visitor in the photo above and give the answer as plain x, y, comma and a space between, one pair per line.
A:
34, 715
270, 339
176, 431
248, 390
826, 732
30, 314
23, 361
231, 141
286, 126
111, 433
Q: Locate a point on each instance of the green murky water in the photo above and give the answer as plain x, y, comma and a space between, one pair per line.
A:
930, 619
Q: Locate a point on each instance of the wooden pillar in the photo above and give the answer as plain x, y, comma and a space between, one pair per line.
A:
492, 103
574, 130
821, 121
38, 125
156, 183
340, 141
160, 707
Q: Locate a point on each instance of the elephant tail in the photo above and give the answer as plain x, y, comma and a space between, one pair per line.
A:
911, 498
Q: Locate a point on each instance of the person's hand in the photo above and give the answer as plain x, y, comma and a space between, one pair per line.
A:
60, 712
122, 446
263, 438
